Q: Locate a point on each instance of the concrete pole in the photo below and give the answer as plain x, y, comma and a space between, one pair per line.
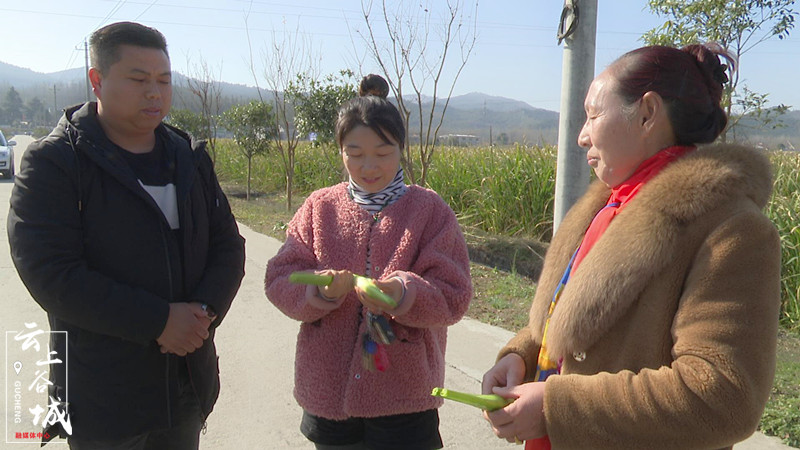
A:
572, 172
86, 64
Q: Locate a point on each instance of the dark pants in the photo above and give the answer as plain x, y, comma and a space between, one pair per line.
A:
415, 431
184, 434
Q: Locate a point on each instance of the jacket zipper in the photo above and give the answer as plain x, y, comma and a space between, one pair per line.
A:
169, 279
197, 397
186, 358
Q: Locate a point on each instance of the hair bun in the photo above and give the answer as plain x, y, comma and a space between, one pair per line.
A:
373, 84
707, 57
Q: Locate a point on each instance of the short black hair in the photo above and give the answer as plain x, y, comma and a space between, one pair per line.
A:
105, 42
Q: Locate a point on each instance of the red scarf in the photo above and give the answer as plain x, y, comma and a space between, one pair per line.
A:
624, 193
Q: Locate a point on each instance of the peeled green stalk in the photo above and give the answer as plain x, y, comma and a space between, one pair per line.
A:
373, 291
311, 278
488, 402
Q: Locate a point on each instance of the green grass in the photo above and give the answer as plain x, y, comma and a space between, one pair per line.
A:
782, 415
500, 298
508, 191
784, 211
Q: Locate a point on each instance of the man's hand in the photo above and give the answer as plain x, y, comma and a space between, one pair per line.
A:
186, 329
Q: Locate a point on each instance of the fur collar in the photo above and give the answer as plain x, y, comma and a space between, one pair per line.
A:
609, 280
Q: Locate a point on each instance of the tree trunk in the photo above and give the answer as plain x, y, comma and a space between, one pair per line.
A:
289, 177
723, 137
288, 191
249, 167
424, 177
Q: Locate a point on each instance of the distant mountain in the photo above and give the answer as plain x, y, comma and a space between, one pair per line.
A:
20, 77
495, 119
488, 117
477, 100
785, 135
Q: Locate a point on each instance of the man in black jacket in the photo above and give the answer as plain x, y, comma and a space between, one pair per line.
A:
120, 231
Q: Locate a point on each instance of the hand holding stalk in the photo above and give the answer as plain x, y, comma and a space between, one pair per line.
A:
486, 402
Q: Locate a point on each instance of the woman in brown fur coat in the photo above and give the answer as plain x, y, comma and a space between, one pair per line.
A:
659, 330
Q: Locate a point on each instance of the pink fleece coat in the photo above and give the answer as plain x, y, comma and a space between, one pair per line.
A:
418, 239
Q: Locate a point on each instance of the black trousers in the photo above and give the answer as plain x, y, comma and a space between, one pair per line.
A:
184, 434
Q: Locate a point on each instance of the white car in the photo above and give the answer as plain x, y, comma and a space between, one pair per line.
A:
6, 157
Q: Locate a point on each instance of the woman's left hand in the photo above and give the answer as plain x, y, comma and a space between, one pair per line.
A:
523, 419
393, 287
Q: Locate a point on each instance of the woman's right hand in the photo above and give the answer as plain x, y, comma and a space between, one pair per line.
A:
334, 293
341, 285
508, 372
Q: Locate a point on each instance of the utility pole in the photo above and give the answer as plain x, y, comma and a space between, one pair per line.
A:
86, 66
578, 30
55, 102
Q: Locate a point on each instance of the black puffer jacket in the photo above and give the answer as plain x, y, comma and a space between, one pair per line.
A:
97, 254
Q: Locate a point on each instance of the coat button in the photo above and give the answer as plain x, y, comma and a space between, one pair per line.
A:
579, 356
377, 269
358, 376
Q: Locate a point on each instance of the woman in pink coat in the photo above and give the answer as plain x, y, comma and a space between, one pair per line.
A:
363, 370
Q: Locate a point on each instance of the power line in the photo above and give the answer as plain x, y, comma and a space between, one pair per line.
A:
353, 13
73, 56
145, 10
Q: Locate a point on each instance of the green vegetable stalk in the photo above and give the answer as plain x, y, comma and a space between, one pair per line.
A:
368, 286
364, 283
488, 402
310, 278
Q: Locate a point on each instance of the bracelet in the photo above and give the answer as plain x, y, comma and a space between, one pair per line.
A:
403, 295
324, 297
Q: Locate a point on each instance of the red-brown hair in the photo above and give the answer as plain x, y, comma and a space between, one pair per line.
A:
690, 80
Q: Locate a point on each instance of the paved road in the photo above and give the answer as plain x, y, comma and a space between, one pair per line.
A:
256, 409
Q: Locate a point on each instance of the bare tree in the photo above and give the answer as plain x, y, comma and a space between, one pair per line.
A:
287, 59
414, 57
204, 84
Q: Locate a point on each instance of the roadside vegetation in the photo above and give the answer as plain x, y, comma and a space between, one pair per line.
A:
503, 198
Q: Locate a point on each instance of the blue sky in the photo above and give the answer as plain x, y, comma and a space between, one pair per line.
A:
516, 55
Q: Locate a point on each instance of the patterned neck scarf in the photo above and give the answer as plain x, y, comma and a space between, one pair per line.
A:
374, 203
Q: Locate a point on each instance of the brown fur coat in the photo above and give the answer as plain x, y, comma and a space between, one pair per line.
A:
672, 315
